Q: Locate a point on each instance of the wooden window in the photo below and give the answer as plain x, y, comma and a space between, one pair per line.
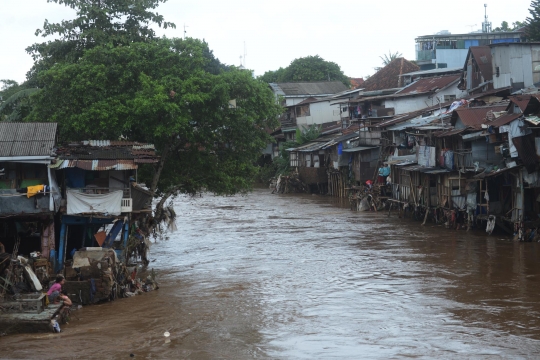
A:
302, 110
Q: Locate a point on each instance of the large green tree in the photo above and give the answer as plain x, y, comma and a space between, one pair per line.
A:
533, 22
98, 22
170, 92
309, 68
15, 101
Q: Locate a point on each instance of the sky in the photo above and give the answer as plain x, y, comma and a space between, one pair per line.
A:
353, 34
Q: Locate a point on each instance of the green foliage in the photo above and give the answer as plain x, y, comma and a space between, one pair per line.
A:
273, 76
307, 135
505, 27
388, 58
16, 103
309, 68
170, 92
533, 22
104, 22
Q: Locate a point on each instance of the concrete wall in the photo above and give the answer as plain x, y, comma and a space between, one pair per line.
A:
320, 113
414, 103
452, 57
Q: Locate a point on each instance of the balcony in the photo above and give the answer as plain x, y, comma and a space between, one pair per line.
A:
425, 55
14, 203
99, 200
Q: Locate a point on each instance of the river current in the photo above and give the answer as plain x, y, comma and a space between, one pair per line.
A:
303, 277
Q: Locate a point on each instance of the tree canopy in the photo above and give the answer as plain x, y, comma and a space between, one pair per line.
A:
169, 92
309, 68
533, 21
109, 77
103, 22
505, 27
388, 58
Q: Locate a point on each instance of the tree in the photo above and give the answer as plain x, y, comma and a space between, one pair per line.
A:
15, 102
98, 22
533, 22
309, 68
505, 27
388, 58
272, 76
170, 92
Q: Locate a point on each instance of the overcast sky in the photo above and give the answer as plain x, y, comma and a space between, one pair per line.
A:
352, 34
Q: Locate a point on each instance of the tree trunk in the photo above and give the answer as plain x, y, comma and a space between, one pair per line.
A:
160, 167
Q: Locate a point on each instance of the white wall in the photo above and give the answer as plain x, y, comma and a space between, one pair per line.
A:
452, 57
414, 103
320, 113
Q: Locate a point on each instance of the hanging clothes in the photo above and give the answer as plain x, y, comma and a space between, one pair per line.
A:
34, 190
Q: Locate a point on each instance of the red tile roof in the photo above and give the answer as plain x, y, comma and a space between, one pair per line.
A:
389, 76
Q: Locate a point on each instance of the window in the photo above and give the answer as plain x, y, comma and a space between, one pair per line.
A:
302, 110
448, 98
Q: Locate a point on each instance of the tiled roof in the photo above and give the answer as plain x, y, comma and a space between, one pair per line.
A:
388, 76
309, 88
27, 139
428, 85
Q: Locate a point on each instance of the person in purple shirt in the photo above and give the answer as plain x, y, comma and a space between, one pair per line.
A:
55, 292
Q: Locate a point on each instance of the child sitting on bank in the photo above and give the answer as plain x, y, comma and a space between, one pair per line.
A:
55, 292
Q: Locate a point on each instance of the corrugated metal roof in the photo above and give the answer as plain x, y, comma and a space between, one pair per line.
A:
503, 120
452, 132
418, 122
482, 55
96, 165
27, 139
309, 88
431, 84
476, 116
521, 101
359, 148
433, 71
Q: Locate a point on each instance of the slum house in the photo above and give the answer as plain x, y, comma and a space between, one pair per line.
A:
386, 80
100, 195
477, 76
29, 194
298, 116
422, 93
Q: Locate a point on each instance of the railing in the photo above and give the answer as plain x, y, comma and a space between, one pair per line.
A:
126, 202
104, 190
463, 159
425, 55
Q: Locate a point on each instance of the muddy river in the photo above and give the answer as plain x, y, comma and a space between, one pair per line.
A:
302, 277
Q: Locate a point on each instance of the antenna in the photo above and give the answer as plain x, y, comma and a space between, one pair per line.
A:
245, 54
486, 25
471, 26
185, 26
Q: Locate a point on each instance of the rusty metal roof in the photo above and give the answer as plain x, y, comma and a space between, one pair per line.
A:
309, 88
521, 101
482, 56
426, 85
96, 165
476, 116
503, 120
452, 132
27, 139
94, 150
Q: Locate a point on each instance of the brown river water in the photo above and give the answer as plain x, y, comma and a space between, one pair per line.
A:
303, 277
